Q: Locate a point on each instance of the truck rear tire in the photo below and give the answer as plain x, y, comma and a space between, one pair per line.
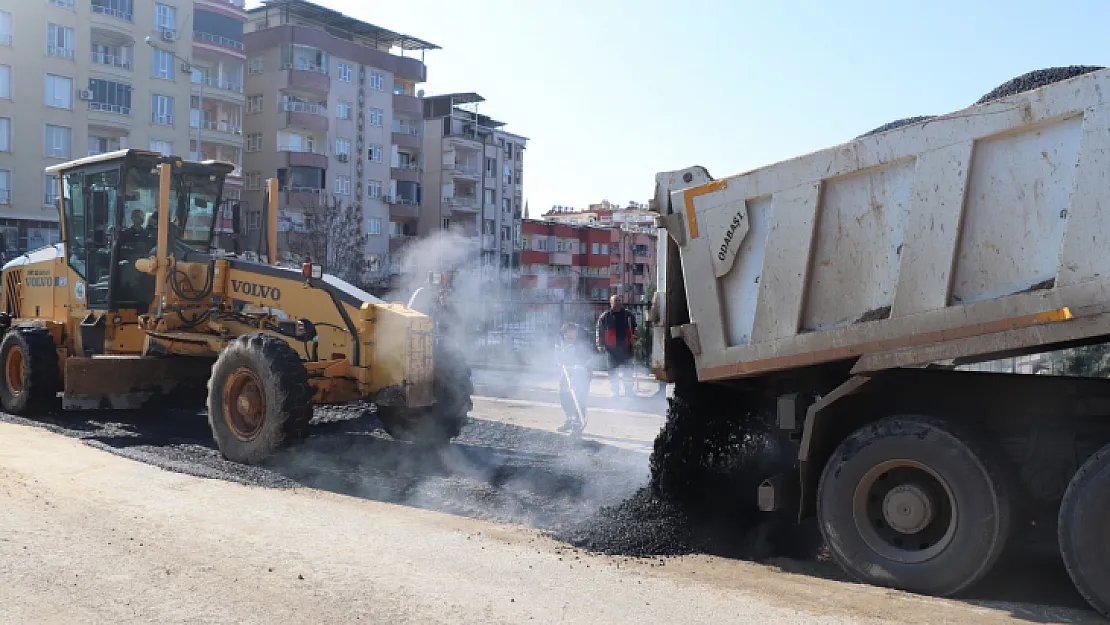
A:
913, 503
259, 399
1084, 530
444, 420
29, 384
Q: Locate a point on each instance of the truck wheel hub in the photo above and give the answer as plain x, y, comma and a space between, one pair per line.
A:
907, 509
243, 404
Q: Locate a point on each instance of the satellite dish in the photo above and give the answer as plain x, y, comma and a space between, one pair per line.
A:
420, 93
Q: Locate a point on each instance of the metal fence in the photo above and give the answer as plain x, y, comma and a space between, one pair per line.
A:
524, 333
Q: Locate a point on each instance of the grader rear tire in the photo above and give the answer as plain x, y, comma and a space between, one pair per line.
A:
444, 420
29, 383
913, 503
259, 399
1084, 530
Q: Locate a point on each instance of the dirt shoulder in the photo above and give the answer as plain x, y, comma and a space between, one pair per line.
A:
92, 537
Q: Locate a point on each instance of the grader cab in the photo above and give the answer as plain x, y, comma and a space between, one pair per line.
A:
137, 302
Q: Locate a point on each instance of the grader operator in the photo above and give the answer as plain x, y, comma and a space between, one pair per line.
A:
137, 302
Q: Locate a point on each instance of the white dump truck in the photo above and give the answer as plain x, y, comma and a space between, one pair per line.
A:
852, 283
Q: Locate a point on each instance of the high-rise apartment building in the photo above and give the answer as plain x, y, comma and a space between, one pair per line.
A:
78, 78
474, 183
334, 115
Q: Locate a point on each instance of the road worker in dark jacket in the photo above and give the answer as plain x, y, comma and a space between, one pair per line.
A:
616, 336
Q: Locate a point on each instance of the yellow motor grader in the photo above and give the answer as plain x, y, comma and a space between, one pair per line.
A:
138, 303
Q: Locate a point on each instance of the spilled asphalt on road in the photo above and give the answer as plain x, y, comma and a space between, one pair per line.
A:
493, 471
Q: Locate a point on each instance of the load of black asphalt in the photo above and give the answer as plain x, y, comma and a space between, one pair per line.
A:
1036, 80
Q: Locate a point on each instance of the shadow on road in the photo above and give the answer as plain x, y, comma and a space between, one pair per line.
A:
493, 471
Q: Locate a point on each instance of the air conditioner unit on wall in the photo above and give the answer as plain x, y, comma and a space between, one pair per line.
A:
84, 94
169, 35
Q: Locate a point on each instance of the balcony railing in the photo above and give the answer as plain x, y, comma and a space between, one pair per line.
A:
405, 129
295, 189
60, 52
112, 12
233, 129
111, 60
292, 106
410, 166
50, 199
226, 85
467, 170
298, 149
304, 66
402, 200
464, 203
218, 40
65, 4
162, 120
103, 107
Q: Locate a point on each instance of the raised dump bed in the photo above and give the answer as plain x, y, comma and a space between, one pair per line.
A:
817, 291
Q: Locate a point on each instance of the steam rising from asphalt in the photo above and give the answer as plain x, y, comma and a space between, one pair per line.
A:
492, 470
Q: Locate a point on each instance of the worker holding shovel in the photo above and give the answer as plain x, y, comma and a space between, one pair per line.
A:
575, 375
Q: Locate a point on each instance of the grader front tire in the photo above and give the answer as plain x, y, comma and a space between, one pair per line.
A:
29, 383
259, 399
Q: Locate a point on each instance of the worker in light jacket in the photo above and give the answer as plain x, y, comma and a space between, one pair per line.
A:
616, 336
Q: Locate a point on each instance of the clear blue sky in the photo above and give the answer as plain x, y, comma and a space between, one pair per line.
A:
609, 92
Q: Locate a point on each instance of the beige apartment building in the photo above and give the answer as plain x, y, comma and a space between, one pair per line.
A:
335, 116
77, 77
474, 183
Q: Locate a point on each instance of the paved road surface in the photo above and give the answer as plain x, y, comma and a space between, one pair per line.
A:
90, 537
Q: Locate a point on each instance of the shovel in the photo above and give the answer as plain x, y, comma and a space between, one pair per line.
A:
574, 396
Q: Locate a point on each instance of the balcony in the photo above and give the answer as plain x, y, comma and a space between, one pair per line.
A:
305, 115
217, 40
115, 109
464, 204
110, 60
214, 87
405, 172
407, 104
407, 140
404, 211
220, 131
304, 197
465, 171
398, 242
298, 157
309, 80
112, 9
561, 258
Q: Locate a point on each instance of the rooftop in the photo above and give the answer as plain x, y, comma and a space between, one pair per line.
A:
339, 23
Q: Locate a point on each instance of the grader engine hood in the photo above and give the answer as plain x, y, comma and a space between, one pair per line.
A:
390, 346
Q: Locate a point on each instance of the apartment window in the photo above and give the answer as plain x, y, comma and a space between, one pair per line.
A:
491, 168
109, 96
253, 180
165, 18
50, 190
59, 41
5, 134
163, 65
604, 248
165, 148
254, 142
343, 146
64, 4
374, 153
343, 110
58, 92
507, 205
102, 145
508, 150
345, 72
375, 117
254, 103
255, 66
57, 141
376, 81
374, 189
5, 186
507, 173
595, 249
374, 226
446, 223
343, 185
161, 109
5, 28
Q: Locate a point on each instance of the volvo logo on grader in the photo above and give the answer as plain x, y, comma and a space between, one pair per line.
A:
256, 290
